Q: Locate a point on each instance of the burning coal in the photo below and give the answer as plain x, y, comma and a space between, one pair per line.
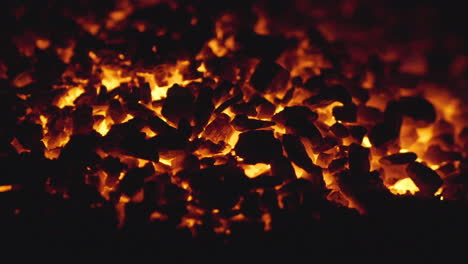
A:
214, 120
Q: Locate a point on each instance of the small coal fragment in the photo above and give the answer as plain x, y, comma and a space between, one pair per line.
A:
250, 206
265, 181
328, 95
281, 167
383, 133
265, 109
203, 107
315, 83
243, 123
258, 146
399, 158
427, 180
357, 132
369, 115
339, 130
231, 101
158, 125
134, 179
325, 144
436, 155
219, 129
269, 77
178, 104
296, 151
244, 109
298, 113
219, 186
29, 135
83, 120
337, 165
347, 113
359, 163
116, 111
417, 108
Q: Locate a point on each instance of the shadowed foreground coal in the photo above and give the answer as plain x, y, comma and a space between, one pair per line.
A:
248, 130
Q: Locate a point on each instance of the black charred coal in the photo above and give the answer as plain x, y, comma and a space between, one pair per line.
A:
269, 77
417, 108
337, 165
259, 146
436, 155
315, 83
265, 181
325, 144
243, 123
231, 101
427, 180
357, 132
359, 163
219, 129
83, 120
178, 104
244, 109
328, 95
265, 109
296, 151
383, 133
219, 187
399, 158
29, 135
158, 125
281, 167
116, 111
203, 106
339, 130
369, 115
346, 113
295, 113
134, 179
250, 206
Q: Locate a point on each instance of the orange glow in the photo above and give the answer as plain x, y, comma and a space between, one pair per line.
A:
255, 170
70, 96
404, 186
112, 78
366, 142
6, 188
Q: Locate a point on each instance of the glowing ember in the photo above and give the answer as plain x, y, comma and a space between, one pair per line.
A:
404, 186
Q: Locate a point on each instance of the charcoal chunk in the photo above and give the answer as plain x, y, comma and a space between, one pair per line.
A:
178, 104
357, 132
134, 179
281, 167
383, 133
399, 158
219, 129
116, 111
417, 108
328, 95
347, 113
219, 186
359, 163
203, 106
427, 180
258, 146
269, 77
339, 130
296, 152
243, 123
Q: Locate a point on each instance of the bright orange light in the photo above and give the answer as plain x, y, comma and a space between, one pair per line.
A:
6, 188
404, 186
255, 170
70, 96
